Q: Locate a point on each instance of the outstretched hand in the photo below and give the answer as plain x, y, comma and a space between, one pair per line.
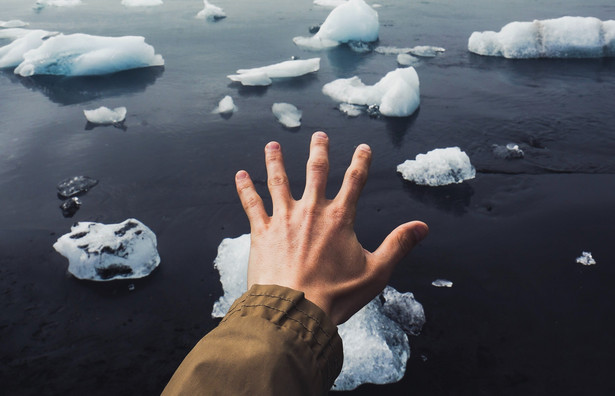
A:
310, 244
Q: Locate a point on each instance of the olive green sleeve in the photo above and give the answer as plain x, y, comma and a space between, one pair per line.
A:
272, 341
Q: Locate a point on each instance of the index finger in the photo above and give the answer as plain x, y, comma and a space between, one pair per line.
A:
355, 177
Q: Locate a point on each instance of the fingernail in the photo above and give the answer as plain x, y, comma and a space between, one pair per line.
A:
421, 232
364, 147
271, 146
320, 135
241, 175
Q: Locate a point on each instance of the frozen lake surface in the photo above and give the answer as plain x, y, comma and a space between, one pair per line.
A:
522, 318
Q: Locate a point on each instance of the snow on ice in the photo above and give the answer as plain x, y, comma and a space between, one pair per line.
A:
141, 3
287, 114
225, 106
396, 94
103, 252
261, 76
438, 167
104, 115
586, 259
42, 52
565, 37
376, 346
353, 20
211, 12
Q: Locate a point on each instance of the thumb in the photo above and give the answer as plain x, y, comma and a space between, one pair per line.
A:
400, 242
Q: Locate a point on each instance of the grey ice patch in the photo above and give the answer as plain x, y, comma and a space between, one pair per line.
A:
76, 185
442, 283
509, 151
586, 259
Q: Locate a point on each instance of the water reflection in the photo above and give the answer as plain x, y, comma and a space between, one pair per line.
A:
345, 61
454, 198
397, 127
66, 90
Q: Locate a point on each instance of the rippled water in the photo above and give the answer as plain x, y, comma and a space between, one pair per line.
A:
522, 316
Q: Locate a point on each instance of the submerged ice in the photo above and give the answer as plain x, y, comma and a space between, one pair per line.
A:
396, 94
287, 114
104, 115
260, 76
103, 252
565, 37
375, 339
353, 20
438, 167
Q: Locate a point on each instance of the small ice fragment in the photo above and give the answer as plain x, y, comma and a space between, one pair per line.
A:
76, 185
350, 110
426, 51
407, 60
70, 206
103, 252
438, 167
131, 287
225, 106
388, 50
287, 114
286, 69
211, 12
442, 283
13, 23
509, 151
353, 20
586, 259
404, 310
329, 3
104, 115
56, 3
396, 94
141, 3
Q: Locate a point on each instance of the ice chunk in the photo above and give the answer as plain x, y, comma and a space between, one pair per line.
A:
141, 3
287, 114
24, 40
586, 259
103, 252
509, 151
56, 3
104, 115
350, 110
565, 37
263, 75
353, 20
407, 60
396, 94
442, 283
70, 206
438, 167
211, 12
13, 23
225, 106
329, 3
76, 185
426, 51
376, 347
83, 54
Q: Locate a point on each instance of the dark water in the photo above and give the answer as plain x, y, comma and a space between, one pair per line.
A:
522, 317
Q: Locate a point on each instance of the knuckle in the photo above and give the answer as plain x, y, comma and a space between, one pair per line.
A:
340, 212
357, 175
277, 180
318, 165
250, 202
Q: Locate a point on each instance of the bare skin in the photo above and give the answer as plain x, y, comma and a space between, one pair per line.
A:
310, 244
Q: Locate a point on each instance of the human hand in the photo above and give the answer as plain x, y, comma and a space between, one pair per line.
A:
310, 244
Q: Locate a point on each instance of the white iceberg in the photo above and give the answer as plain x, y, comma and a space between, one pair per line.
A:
83, 54
565, 37
13, 23
586, 259
438, 167
353, 20
407, 60
104, 115
376, 346
225, 106
442, 283
56, 3
263, 75
397, 94
24, 40
141, 3
103, 252
287, 114
211, 12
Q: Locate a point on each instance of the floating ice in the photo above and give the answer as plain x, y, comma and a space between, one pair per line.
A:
83, 54
376, 347
211, 12
24, 40
396, 94
70, 206
407, 60
509, 151
426, 51
565, 37
103, 252
76, 185
13, 23
141, 3
353, 20
104, 115
225, 106
438, 167
287, 114
56, 3
263, 75
442, 283
329, 3
351, 110
586, 259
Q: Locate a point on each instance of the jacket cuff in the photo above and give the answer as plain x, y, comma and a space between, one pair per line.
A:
288, 308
